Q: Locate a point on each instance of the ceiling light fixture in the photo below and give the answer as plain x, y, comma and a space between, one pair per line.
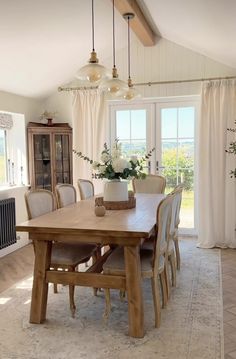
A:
114, 87
131, 93
93, 72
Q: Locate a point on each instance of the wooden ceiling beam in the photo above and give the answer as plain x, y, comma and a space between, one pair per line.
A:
139, 23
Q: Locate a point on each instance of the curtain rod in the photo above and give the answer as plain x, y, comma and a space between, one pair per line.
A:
151, 83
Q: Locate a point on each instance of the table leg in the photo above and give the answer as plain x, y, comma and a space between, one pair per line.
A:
134, 292
40, 287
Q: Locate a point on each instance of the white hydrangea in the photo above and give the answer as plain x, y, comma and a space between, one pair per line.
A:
120, 164
105, 157
95, 165
102, 168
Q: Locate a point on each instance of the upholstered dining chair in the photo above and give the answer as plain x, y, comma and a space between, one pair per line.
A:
86, 188
173, 245
150, 184
65, 194
178, 191
153, 263
66, 256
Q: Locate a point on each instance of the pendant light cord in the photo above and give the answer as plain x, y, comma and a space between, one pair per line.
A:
93, 24
128, 18
114, 50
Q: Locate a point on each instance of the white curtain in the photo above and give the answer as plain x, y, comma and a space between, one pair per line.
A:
89, 114
217, 200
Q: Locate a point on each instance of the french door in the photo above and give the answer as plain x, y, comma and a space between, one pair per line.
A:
170, 126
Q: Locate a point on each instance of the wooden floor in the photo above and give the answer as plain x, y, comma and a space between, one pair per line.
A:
19, 265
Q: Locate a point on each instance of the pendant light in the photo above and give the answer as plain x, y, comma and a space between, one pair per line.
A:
131, 93
93, 72
114, 87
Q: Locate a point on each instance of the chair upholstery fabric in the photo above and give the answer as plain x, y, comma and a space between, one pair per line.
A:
86, 188
66, 194
151, 184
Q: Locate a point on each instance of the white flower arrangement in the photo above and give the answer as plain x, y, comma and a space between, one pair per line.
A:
113, 165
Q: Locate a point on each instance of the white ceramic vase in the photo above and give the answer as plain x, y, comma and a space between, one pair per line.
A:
115, 191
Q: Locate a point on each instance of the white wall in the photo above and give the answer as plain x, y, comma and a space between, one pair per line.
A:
26, 109
163, 62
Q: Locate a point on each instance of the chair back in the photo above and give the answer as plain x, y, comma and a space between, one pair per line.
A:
65, 194
39, 202
163, 231
177, 193
150, 184
86, 188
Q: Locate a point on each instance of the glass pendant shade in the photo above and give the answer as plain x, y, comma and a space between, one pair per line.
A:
114, 87
131, 93
93, 72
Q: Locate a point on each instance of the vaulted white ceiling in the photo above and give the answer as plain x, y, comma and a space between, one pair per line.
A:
43, 43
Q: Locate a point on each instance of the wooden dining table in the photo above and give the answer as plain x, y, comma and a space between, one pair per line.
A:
78, 223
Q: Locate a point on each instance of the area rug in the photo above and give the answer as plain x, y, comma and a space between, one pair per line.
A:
191, 324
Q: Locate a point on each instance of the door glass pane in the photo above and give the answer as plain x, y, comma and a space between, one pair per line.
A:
63, 172
169, 123
122, 124
138, 124
42, 161
177, 160
131, 131
186, 122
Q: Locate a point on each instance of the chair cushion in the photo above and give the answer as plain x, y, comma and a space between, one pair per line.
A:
71, 254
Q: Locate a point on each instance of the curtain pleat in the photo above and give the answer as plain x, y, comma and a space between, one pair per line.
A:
217, 191
89, 114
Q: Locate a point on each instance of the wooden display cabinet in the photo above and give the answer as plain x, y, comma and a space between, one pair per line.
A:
50, 154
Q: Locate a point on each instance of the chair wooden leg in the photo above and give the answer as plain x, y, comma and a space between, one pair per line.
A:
156, 301
167, 279
55, 288
163, 289
173, 269
71, 295
177, 253
108, 304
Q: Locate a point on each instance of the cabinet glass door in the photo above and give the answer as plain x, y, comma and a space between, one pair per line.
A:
42, 161
62, 155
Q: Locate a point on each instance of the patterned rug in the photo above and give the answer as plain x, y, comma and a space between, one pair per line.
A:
191, 324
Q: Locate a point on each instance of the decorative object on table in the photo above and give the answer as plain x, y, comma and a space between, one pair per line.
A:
116, 205
48, 116
232, 149
100, 210
114, 167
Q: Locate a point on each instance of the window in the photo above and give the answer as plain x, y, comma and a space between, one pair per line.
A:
13, 170
3, 158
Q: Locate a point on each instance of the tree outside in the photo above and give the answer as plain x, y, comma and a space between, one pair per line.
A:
179, 168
